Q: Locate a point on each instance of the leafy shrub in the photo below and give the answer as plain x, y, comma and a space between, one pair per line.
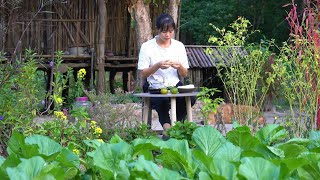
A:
268, 154
183, 130
242, 72
297, 68
210, 105
121, 97
20, 90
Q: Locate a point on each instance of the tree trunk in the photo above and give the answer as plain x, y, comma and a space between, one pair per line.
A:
101, 25
174, 10
141, 14
2, 33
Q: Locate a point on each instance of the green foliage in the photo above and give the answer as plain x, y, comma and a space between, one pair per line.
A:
298, 76
70, 131
195, 20
141, 131
78, 88
120, 97
116, 118
267, 16
297, 68
209, 104
183, 130
59, 82
38, 157
238, 155
242, 72
20, 93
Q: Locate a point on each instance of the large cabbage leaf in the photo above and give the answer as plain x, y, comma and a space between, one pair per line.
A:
111, 159
271, 133
146, 146
314, 137
35, 168
229, 152
18, 146
68, 159
144, 169
257, 168
46, 145
250, 145
177, 156
208, 139
214, 168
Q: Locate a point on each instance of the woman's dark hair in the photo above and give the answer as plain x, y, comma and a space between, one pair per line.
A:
164, 22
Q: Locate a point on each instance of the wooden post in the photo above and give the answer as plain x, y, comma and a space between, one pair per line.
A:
101, 25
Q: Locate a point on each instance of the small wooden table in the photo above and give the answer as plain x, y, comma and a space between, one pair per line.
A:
146, 100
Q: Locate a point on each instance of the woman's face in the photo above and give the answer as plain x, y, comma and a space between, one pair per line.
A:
167, 34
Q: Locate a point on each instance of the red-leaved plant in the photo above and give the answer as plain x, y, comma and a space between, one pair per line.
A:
304, 28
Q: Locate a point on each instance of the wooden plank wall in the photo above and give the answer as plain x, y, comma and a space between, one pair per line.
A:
207, 77
56, 27
59, 26
118, 28
196, 77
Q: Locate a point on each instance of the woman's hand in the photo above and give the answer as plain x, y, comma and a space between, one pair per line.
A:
164, 64
175, 64
178, 66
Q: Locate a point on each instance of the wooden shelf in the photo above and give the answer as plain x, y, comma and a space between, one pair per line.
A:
121, 58
64, 65
109, 65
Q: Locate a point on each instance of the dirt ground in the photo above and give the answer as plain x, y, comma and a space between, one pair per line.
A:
270, 116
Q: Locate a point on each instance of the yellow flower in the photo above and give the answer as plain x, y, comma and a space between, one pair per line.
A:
93, 124
81, 73
100, 140
63, 117
58, 100
60, 115
97, 130
76, 151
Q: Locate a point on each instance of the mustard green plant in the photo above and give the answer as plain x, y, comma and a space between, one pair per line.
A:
69, 132
78, 88
59, 82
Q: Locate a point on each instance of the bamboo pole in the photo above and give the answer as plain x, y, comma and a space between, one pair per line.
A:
65, 25
81, 33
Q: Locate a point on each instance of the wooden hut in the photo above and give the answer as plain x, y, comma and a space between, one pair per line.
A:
72, 27
203, 71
